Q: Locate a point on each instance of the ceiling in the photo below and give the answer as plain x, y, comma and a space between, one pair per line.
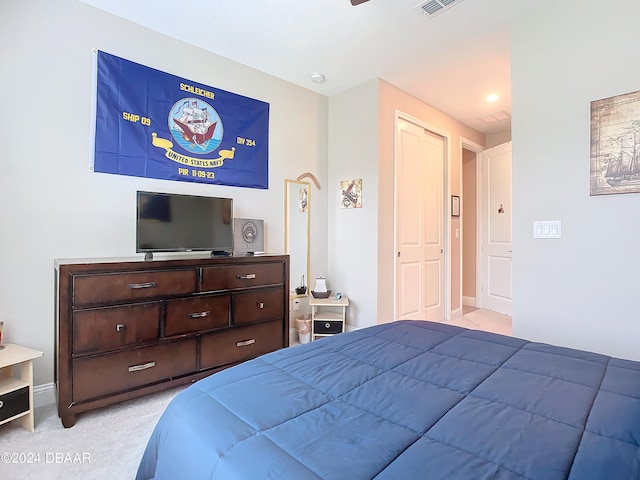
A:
451, 60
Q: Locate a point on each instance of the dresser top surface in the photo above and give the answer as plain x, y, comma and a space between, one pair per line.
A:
169, 260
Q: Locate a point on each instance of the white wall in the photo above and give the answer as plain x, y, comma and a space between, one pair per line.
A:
361, 145
498, 138
581, 290
352, 232
55, 207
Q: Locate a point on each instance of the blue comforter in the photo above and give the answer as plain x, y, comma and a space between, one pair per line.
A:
406, 400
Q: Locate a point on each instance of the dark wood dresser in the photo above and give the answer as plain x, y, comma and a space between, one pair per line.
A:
129, 328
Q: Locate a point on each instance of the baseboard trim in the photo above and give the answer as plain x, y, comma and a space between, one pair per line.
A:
44, 394
469, 301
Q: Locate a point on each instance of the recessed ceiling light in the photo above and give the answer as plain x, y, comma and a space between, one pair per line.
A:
317, 77
492, 98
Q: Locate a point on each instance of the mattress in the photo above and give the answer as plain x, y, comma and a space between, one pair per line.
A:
406, 400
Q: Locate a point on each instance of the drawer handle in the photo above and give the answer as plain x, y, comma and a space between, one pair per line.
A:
200, 315
246, 342
260, 305
1, 404
137, 368
134, 286
120, 328
327, 325
248, 276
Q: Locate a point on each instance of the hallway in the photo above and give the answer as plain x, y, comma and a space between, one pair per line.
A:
481, 319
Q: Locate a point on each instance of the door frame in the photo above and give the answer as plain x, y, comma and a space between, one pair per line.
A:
476, 148
446, 138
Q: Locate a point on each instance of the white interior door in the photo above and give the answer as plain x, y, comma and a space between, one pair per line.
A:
496, 244
420, 266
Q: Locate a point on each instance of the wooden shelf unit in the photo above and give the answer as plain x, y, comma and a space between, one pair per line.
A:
16, 392
328, 316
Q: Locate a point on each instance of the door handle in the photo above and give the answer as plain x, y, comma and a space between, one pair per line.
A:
135, 286
137, 368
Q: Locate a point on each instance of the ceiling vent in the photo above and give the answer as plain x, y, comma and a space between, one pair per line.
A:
431, 8
495, 117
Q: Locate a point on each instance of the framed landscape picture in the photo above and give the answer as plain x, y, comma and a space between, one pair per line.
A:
615, 144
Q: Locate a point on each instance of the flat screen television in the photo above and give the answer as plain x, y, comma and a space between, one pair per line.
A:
168, 222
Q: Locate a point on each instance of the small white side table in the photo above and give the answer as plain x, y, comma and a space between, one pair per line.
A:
328, 316
16, 393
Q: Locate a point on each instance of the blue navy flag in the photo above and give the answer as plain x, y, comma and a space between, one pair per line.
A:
153, 124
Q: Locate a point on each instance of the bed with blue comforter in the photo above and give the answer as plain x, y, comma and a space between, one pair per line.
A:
406, 400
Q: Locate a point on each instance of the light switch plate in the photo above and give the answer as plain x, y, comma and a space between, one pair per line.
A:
547, 229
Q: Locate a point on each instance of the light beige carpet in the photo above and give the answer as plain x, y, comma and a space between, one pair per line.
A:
103, 444
481, 319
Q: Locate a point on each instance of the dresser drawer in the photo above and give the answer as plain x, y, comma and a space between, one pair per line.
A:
237, 344
195, 314
324, 327
129, 286
116, 372
240, 276
102, 329
258, 305
14, 403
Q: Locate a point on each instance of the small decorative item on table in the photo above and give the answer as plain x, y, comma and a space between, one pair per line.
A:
1, 327
320, 294
301, 289
320, 290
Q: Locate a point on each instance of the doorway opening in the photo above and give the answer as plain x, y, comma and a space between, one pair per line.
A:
487, 215
469, 227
